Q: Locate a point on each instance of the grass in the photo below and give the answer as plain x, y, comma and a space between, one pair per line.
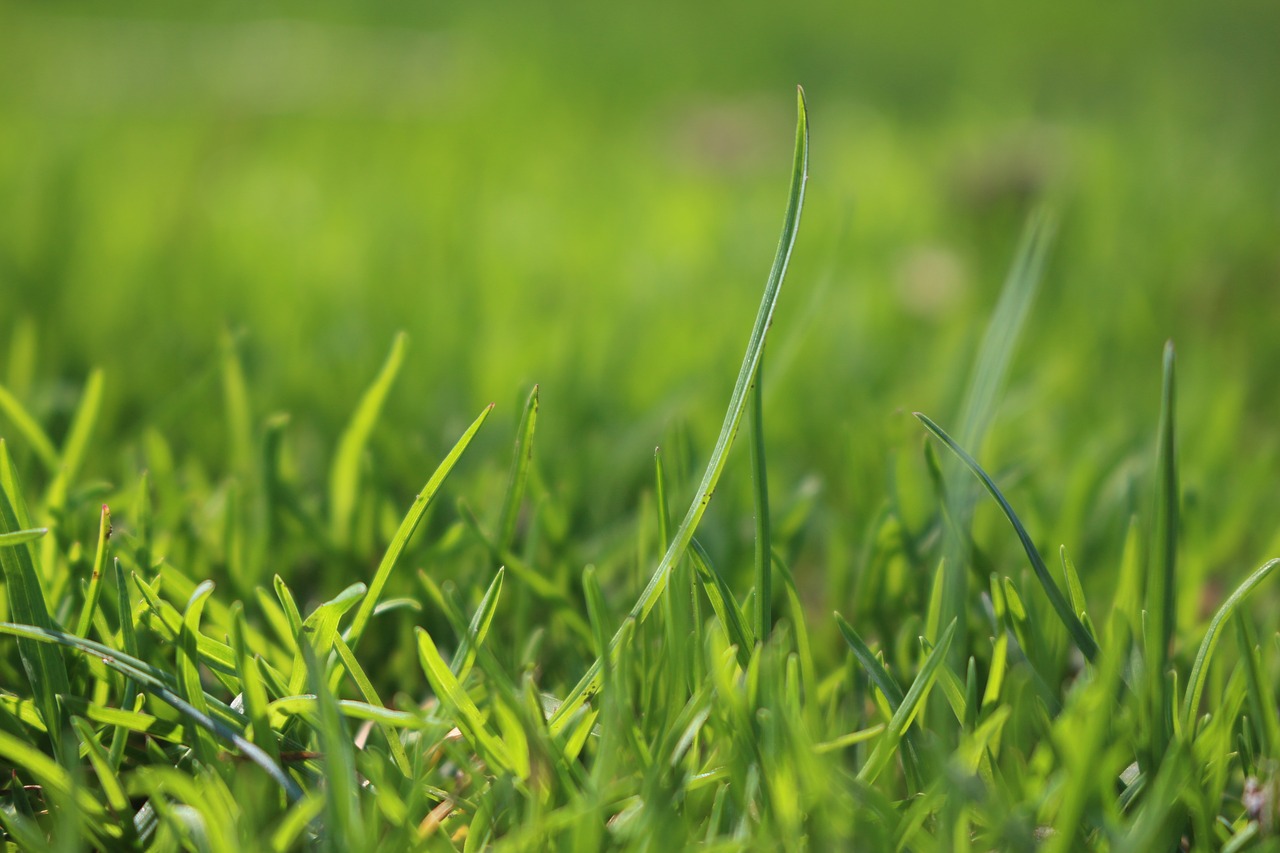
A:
279, 573
473, 688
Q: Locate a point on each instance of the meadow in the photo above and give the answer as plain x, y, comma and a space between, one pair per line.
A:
394, 456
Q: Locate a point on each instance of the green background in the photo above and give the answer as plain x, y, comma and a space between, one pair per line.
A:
587, 196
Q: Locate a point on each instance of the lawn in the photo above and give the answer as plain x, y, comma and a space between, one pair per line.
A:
369, 383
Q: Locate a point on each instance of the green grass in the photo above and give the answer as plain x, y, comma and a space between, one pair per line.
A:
278, 573
544, 713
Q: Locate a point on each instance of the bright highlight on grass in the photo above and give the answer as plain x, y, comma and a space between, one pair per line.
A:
175, 677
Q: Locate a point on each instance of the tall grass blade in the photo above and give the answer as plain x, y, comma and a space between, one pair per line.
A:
1079, 634
344, 476
760, 495
733, 416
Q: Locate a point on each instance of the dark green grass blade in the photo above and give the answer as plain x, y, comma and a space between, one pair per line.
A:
153, 680
1161, 577
407, 526
44, 666
344, 476
1200, 669
1079, 634
906, 710
733, 416
519, 478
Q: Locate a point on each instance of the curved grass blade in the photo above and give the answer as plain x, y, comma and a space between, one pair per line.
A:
21, 537
466, 715
733, 416
344, 477
159, 684
407, 526
189, 668
1079, 634
1200, 669
77, 440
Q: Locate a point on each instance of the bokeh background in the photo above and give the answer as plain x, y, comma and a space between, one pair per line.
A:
587, 196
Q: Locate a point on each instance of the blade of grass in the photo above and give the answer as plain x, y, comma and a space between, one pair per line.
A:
1200, 669
760, 496
46, 671
344, 476
463, 708
95, 579
521, 459
733, 416
1079, 634
407, 527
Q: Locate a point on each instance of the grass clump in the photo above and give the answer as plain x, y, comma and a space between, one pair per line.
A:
181, 684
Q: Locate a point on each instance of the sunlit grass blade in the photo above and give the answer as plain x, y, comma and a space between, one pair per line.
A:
1200, 669
1079, 635
344, 475
463, 708
733, 416
370, 695
521, 460
112, 788
95, 578
1161, 598
21, 537
407, 527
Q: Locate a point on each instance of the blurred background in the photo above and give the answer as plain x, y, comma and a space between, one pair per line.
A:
588, 196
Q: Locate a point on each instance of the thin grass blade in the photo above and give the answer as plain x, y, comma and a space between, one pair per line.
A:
1079, 634
733, 416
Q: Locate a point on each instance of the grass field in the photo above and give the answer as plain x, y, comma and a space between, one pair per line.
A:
337, 344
